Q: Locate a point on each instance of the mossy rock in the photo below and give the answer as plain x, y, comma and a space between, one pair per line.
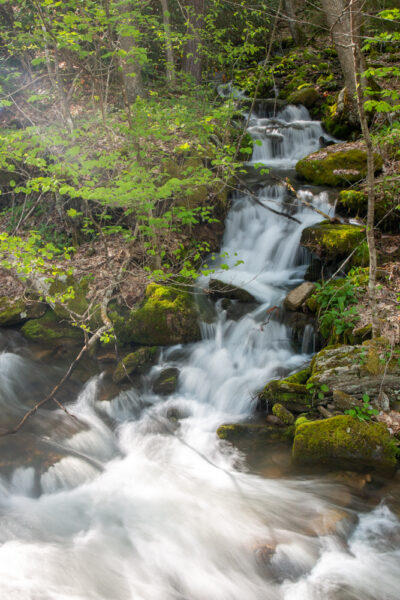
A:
68, 297
135, 363
166, 317
166, 382
16, 312
283, 414
337, 165
354, 203
345, 442
307, 96
254, 437
49, 329
357, 369
220, 289
291, 392
333, 242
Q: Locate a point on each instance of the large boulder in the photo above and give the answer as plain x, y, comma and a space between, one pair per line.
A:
345, 442
333, 242
15, 312
296, 298
357, 370
167, 316
308, 96
338, 165
49, 330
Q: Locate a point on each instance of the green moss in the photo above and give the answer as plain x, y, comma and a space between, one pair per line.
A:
300, 421
15, 312
283, 414
49, 328
135, 362
336, 167
332, 241
167, 316
345, 442
290, 392
307, 96
355, 202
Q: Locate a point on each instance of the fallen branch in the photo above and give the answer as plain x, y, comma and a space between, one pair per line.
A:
258, 201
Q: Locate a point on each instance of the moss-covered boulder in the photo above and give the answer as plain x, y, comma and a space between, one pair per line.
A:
50, 329
283, 414
166, 382
345, 442
354, 203
308, 96
333, 242
167, 316
220, 289
135, 363
254, 437
290, 392
16, 312
357, 370
337, 165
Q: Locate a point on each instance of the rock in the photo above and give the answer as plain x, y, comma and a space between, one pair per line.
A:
391, 420
307, 96
166, 382
356, 370
49, 330
291, 392
135, 363
343, 401
166, 317
331, 521
344, 441
324, 412
334, 242
254, 437
227, 290
15, 312
296, 298
338, 165
283, 414
354, 203
273, 420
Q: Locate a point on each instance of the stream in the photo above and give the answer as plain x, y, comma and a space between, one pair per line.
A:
141, 500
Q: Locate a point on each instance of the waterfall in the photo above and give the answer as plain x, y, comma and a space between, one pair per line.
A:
134, 504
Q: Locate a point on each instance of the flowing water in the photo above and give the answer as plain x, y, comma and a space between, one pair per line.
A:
142, 501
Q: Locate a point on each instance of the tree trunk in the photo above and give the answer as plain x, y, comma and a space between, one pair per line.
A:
291, 10
171, 76
355, 28
129, 61
337, 14
192, 60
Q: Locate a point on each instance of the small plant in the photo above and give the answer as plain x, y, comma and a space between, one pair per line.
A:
318, 392
336, 315
364, 412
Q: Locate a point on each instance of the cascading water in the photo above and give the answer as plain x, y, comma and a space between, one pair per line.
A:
141, 506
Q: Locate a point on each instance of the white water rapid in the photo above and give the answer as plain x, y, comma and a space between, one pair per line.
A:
144, 502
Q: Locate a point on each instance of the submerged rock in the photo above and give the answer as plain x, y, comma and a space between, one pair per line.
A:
345, 442
166, 317
167, 381
254, 437
337, 165
135, 363
15, 312
227, 290
296, 298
